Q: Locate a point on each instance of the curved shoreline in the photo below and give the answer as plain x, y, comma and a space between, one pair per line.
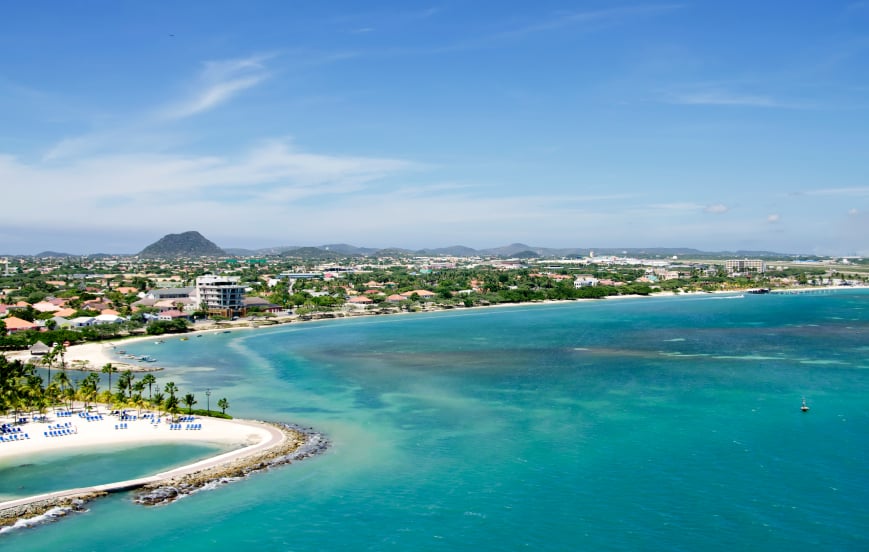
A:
92, 356
286, 443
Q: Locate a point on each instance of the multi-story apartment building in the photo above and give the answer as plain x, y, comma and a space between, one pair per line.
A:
738, 266
220, 294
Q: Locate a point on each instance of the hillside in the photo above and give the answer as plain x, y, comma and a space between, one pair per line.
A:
186, 244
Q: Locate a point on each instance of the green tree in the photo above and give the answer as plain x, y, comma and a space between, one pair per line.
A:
149, 380
89, 388
223, 404
109, 369
189, 401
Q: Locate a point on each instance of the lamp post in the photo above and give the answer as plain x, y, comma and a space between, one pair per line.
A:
208, 400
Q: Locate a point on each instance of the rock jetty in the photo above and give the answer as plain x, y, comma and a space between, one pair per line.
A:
300, 443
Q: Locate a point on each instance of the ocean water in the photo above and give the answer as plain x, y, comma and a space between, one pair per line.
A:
638, 424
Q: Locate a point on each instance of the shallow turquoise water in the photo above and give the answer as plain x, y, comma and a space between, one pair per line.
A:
54, 471
663, 423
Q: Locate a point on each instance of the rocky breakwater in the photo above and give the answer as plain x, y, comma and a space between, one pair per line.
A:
46, 510
300, 443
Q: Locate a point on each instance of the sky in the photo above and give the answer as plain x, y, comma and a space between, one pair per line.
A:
718, 125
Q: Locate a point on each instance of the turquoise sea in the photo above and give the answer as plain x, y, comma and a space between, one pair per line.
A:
637, 424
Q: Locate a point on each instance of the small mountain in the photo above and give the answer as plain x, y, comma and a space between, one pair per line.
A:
452, 251
347, 249
508, 250
313, 254
186, 244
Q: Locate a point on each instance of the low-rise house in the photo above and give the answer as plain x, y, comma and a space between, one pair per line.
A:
260, 304
81, 321
96, 305
421, 293
15, 324
359, 300
60, 321
395, 298
173, 315
108, 319
45, 306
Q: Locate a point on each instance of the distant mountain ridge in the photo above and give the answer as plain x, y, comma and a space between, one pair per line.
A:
186, 244
193, 244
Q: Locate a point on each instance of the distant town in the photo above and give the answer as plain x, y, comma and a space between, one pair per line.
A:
50, 299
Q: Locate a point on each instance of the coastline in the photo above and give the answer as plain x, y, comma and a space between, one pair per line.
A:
263, 445
167, 486
92, 356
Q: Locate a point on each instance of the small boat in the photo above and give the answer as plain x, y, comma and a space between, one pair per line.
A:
159, 341
804, 407
225, 331
184, 338
122, 352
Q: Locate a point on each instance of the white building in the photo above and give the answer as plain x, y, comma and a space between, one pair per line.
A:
739, 266
220, 294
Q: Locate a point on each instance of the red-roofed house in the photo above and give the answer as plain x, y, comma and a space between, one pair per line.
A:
173, 315
15, 324
45, 306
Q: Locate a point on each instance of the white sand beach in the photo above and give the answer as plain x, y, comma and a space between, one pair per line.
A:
71, 432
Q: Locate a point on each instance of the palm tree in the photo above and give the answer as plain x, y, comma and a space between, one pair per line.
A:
171, 388
63, 382
171, 405
189, 401
149, 380
158, 401
89, 388
48, 360
125, 383
108, 369
223, 404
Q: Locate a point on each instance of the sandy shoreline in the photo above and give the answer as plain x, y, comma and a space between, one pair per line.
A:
93, 356
260, 445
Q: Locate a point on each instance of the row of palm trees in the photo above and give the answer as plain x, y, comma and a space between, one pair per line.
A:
23, 390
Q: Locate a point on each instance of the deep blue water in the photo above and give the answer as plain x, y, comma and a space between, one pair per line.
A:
646, 424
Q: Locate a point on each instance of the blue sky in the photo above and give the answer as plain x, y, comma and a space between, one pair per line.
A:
714, 125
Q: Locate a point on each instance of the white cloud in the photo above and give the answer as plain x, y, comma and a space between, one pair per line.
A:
723, 98
716, 208
219, 82
853, 212
773, 218
856, 191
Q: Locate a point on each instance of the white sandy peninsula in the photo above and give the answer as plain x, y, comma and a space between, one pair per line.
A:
66, 433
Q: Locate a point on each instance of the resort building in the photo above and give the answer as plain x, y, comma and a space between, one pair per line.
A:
221, 295
585, 280
740, 266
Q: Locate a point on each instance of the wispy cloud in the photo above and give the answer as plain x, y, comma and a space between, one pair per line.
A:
773, 218
856, 191
218, 83
716, 208
590, 19
724, 97
570, 19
